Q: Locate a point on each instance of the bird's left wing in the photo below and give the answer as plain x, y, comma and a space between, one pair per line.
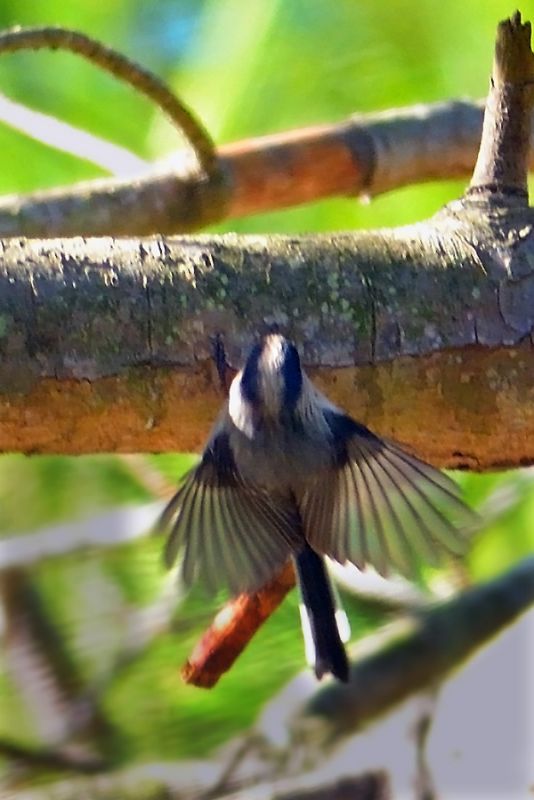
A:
229, 532
377, 504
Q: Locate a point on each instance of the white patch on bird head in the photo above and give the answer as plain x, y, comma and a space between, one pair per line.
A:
273, 353
270, 376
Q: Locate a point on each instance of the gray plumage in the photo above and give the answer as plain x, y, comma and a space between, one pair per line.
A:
285, 470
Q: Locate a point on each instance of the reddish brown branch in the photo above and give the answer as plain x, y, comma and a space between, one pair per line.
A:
233, 628
298, 166
365, 154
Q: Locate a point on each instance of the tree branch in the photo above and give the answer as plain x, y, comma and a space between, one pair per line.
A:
35, 758
417, 657
501, 166
111, 528
105, 345
399, 664
48, 130
233, 628
366, 154
113, 62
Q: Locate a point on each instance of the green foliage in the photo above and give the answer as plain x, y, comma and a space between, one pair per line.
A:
247, 70
41, 491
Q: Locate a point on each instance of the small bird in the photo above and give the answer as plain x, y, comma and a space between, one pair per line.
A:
285, 473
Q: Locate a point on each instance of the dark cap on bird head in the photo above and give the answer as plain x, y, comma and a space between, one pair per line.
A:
272, 376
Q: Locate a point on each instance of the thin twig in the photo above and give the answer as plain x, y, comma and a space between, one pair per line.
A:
126, 70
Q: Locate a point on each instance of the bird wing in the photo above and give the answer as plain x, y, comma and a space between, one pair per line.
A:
378, 504
230, 532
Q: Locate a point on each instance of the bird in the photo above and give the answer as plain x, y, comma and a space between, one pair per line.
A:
287, 474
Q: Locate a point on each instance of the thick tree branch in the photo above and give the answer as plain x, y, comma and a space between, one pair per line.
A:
105, 345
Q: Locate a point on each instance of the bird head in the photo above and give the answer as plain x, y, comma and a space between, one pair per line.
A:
269, 386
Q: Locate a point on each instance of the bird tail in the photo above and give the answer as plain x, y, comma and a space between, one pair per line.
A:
318, 615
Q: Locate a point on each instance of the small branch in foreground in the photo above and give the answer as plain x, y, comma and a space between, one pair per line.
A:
232, 629
409, 661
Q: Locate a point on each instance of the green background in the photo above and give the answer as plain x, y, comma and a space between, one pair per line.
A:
247, 69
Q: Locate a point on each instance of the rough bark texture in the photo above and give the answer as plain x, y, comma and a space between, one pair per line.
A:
423, 332
502, 161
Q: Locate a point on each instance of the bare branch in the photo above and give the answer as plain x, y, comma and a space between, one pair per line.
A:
110, 529
366, 154
126, 70
105, 345
367, 786
502, 160
232, 629
42, 670
52, 132
418, 655
401, 663
51, 759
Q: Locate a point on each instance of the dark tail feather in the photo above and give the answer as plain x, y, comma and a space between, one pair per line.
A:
318, 601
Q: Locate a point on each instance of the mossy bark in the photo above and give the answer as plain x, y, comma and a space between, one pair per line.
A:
423, 332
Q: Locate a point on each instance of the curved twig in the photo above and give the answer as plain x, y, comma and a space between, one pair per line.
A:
126, 70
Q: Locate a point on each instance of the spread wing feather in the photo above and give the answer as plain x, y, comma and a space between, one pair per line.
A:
378, 504
229, 532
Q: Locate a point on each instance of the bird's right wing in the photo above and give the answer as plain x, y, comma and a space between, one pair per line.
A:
230, 533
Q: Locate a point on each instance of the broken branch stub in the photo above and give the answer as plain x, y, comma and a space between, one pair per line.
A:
502, 163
